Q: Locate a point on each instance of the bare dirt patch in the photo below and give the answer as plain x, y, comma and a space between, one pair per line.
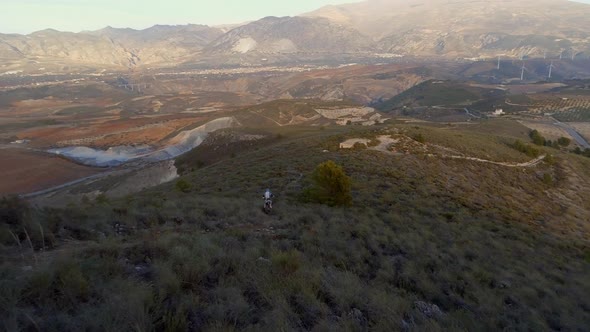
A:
350, 143
399, 143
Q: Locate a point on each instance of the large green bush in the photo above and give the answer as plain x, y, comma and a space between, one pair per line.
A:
526, 149
331, 185
183, 186
537, 138
564, 141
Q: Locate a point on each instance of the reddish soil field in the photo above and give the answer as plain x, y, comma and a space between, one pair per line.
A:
101, 133
23, 171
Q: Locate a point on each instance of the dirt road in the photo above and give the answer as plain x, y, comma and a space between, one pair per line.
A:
573, 133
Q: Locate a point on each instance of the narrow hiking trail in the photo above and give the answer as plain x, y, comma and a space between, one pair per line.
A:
530, 163
387, 141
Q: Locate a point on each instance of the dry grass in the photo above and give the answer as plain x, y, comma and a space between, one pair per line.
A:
493, 248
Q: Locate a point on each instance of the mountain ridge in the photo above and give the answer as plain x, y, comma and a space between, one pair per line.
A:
440, 28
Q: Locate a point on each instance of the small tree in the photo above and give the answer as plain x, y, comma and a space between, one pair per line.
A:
183, 186
102, 199
331, 185
564, 141
537, 138
13, 210
550, 159
420, 138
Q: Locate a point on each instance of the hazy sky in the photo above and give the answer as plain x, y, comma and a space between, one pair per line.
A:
25, 16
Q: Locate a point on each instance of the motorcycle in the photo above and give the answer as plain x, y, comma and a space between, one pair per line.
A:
267, 208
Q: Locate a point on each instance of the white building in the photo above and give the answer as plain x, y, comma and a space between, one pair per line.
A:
498, 112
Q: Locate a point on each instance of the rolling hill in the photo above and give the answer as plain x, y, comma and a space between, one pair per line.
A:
430, 242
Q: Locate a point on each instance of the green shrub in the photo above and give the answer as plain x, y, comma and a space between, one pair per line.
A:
547, 179
419, 138
102, 199
183, 186
331, 185
564, 141
537, 138
72, 283
13, 210
550, 159
359, 146
286, 262
85, 200
526, 149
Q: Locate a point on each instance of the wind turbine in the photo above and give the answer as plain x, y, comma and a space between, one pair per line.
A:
498, 62
550, 69
522, 72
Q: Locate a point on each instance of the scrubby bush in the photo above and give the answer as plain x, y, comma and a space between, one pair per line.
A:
359, 146
286, 263
550, 159
547, 179
102, 199
183, 186
564, 141
331, 185
526, 149
13, 210
419, 138
537, 138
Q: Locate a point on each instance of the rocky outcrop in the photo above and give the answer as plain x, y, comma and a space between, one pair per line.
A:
291, 35
109, 46
465, 28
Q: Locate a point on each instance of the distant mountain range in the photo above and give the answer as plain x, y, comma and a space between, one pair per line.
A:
429, 28
469, 28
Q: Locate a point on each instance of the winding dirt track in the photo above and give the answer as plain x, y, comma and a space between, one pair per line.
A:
530, 163
386, 141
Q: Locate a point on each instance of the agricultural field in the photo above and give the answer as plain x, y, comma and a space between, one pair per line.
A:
23, 171
564, 108
434, 93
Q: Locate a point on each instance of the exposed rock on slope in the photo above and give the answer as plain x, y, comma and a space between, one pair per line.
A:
109, 46
458, 28
468, 28
291, 35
